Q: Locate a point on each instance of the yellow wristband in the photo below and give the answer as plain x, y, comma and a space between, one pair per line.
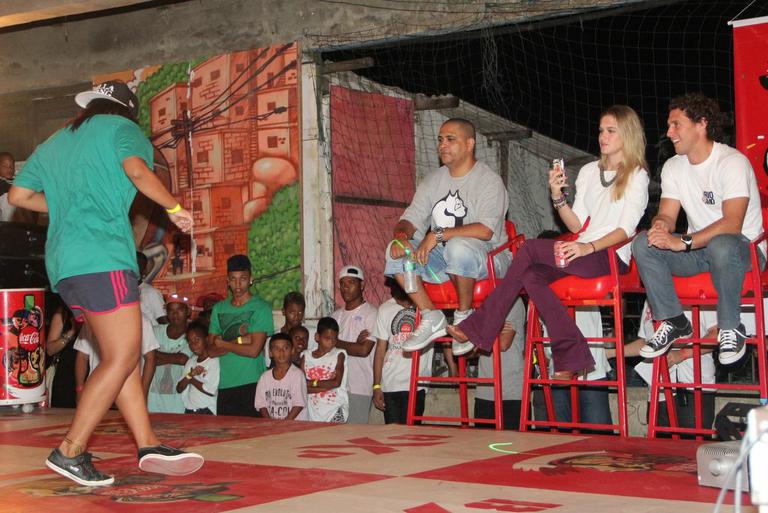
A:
376, 386
314, 383
175, 209
240, 341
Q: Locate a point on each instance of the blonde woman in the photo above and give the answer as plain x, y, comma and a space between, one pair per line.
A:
612, 193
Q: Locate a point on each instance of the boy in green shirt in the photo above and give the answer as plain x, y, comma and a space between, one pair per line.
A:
239, 328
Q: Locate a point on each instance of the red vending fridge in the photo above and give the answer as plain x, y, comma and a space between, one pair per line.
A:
22, 346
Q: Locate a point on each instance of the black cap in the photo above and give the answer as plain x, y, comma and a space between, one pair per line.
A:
113, 90
238, 263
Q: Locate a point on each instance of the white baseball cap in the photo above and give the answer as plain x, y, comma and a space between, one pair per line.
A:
352, 271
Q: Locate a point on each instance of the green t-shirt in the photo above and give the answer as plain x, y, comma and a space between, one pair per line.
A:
231, 321
88, 195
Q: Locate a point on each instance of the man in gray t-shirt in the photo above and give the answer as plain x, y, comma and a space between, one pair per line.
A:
454, 219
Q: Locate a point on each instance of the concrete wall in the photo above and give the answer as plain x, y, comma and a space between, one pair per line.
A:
73, 51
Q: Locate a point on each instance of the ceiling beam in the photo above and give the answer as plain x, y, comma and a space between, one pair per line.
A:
22, 12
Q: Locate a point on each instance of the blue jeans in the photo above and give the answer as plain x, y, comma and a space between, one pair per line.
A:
726, 258
461, 256
593, 405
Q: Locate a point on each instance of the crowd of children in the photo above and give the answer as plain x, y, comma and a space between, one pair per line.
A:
216, 363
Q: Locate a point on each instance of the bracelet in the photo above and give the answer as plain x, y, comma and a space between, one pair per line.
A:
314, 383
593, 247
559, 202
175, 209
377, 387
239, 341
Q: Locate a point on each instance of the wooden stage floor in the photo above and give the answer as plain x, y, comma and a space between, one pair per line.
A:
257, 465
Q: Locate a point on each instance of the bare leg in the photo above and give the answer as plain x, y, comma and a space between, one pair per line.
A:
133, 405
118, 335
465, 288
453, 369
420, 297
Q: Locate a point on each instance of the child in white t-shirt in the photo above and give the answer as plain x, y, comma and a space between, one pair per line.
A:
395, 321
282, 390
328, 400
199, 385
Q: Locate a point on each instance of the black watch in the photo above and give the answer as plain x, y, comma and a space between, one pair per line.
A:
688, 241
440, 235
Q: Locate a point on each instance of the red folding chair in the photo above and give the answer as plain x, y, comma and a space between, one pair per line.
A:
574, 292
444, 297
695, 292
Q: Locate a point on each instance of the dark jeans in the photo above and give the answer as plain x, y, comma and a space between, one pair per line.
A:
396, 406
511, 408
686, 415
534, 269
593, 405
237, 401
199, 411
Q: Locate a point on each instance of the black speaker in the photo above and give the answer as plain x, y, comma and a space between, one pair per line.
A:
22, 256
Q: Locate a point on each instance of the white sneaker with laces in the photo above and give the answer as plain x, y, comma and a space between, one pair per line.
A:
431, 326
461, 348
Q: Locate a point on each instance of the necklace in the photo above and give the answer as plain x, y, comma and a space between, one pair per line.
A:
605, 183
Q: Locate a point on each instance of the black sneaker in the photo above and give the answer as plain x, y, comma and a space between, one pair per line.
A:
169, 461
732, 345
665, 335
79, 469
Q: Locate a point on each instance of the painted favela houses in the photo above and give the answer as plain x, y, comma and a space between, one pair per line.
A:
226, 133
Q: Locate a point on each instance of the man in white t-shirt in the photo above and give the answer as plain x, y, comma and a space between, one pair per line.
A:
716, 187
357, 320
456, 217
395, 322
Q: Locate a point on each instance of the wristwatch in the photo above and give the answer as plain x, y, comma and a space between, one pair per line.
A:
440, 235
688, 241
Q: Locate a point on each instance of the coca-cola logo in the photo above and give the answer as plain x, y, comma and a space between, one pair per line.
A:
29, 338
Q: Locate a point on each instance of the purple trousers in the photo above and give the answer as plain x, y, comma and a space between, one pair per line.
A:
533, 268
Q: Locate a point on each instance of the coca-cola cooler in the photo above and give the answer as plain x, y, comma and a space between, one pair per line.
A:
22, 346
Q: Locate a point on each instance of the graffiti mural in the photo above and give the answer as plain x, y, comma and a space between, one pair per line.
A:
226, 133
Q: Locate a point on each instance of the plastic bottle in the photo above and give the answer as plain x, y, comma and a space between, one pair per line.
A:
410, 283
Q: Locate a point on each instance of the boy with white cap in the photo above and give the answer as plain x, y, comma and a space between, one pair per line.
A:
357, 321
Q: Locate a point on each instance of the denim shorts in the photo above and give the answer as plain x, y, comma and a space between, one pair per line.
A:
460, 256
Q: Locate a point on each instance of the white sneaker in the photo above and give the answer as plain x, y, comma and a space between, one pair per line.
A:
431, 326
461, 348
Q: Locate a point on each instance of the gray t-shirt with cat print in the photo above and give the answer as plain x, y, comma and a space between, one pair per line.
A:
444, 201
